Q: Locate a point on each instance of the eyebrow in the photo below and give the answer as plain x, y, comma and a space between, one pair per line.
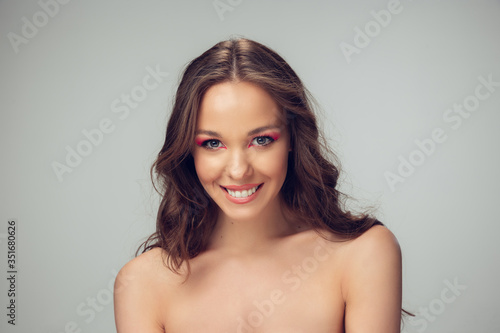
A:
252, 132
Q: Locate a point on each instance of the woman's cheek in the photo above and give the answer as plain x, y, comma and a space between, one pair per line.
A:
273, 161
207, 167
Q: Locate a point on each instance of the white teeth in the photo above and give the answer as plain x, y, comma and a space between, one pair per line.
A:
242, 194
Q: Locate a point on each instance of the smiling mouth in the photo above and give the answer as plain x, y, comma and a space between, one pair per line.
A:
242, 194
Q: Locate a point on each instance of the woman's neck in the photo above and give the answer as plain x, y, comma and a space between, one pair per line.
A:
248, 235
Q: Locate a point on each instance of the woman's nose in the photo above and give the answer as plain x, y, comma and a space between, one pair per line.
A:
239, 164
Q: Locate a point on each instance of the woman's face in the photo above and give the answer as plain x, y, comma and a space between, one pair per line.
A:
241, 149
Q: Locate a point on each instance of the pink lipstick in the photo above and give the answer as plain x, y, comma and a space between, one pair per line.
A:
241, 194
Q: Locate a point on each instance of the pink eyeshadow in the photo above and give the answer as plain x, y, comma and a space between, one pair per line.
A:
199, 141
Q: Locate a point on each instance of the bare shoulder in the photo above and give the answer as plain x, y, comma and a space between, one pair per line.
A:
140, 291
372, 282
377, 247
150, 261
379, 239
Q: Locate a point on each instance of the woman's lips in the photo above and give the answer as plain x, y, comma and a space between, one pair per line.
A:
249, 193
240, 187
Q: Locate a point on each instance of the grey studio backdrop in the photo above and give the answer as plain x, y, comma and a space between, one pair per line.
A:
410, 97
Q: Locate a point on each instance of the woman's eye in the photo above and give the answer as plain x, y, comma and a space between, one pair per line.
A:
262, 141
212, 144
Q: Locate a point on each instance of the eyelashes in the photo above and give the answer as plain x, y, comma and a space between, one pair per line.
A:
211, 144
264, 141
259, 141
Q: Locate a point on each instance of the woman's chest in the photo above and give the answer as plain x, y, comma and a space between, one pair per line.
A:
289, 297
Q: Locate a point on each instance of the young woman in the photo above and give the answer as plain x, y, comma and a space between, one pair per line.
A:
251, 232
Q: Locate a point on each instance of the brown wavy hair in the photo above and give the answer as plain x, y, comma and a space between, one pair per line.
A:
187, 214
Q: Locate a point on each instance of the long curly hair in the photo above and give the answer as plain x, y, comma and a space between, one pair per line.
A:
187, 214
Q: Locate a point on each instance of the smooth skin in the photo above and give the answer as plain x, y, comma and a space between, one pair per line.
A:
262, 271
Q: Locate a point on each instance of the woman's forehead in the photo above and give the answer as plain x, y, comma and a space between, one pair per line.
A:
242, 105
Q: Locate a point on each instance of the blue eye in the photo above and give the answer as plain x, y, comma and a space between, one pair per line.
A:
262, 140
212, 144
